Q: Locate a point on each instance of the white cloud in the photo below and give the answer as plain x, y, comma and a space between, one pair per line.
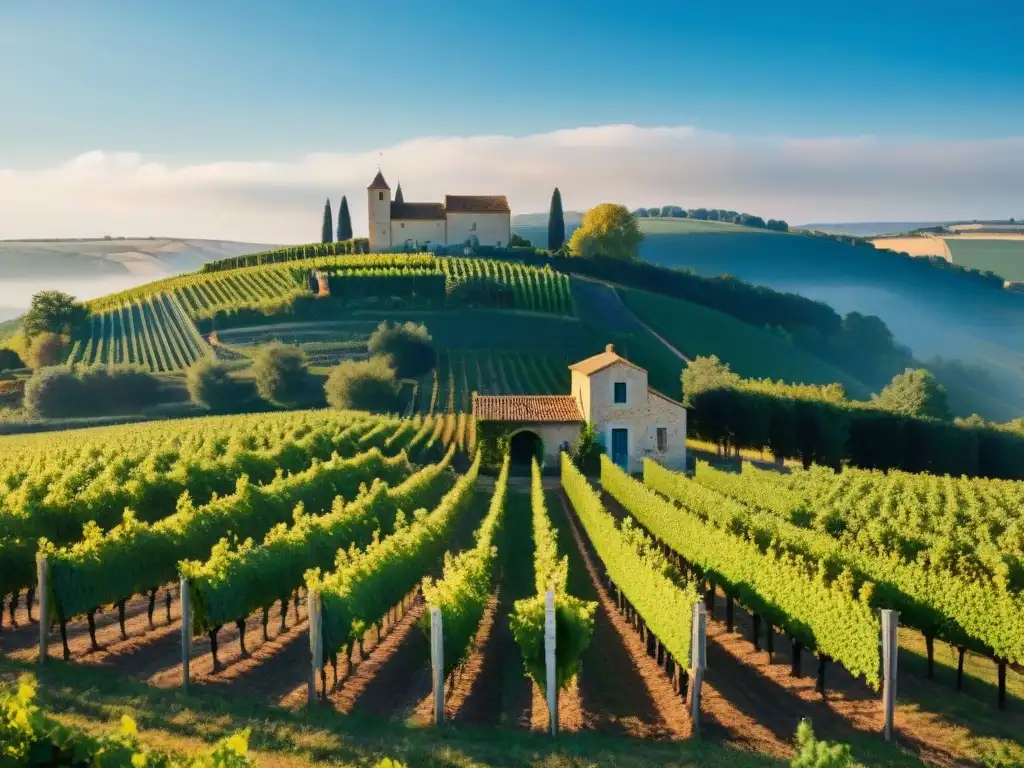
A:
798, 179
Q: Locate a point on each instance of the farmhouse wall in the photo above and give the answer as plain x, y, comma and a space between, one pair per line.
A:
554, 435
416, 231
491, 228
642, 413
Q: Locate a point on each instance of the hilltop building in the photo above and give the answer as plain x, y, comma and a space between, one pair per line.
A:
632, 420
396, 224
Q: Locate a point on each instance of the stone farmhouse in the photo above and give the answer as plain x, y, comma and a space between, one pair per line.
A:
632, 420
396, 224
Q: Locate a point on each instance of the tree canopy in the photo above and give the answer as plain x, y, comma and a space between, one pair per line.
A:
344, 220
705, 373
608, 231
363, 385
327, 232
281, 374
556, 222
915, 393
408, 347
54, 312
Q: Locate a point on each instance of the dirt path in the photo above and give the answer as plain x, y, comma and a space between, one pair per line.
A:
629, 315
492, 689
621, 689
650, 330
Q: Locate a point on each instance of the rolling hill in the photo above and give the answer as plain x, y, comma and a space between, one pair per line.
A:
1001, 253
933, 312
91, 268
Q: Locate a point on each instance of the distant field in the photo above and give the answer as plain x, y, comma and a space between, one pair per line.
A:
1002, 255
751, 352
999, 253
673, 226
915, 246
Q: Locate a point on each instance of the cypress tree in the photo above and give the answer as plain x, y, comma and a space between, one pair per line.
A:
328, 229
344, 220
556, 222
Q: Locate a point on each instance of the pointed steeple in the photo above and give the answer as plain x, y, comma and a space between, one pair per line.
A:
378, 182
398, 194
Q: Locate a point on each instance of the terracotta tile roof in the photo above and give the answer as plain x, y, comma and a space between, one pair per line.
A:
601, 361
532, 408
476, 204
378, 182
417, 211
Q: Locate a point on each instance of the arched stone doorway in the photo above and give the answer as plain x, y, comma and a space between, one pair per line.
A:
523, 447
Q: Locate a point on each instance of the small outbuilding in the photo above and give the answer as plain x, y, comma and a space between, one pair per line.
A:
632, 421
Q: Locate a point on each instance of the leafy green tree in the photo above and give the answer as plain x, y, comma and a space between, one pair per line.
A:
705, 373
211, 386
328, 228
556, 222
518, 241
608, 231
363, 385
282, 375
915, 393
408, 347
344, 220
54, 312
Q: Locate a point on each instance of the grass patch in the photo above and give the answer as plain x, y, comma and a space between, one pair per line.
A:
94, 699
1005, 257
750, 351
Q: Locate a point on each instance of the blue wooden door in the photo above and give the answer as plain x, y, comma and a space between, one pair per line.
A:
620, 447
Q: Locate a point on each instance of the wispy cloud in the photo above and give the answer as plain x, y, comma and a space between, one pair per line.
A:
798, 179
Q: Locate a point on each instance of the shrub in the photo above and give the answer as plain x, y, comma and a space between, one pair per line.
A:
118, 389
9, 360
211, 386
409, 347
61, 392
282, 375
53, 392
587, 453
819, 754
46, 349
364, 385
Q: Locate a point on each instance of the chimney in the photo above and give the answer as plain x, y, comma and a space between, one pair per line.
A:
610, 348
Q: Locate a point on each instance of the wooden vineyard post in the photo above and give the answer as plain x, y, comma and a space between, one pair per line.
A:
889, 655
437, 663
316, 649
549, 659
186, 634
698, 660
44, 607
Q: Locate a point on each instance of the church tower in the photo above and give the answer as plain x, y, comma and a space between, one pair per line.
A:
378, 197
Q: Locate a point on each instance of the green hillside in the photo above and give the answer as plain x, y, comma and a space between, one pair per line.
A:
753, 353
1004, 257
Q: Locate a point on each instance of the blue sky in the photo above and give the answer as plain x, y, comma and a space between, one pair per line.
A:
191, 85
204, 81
